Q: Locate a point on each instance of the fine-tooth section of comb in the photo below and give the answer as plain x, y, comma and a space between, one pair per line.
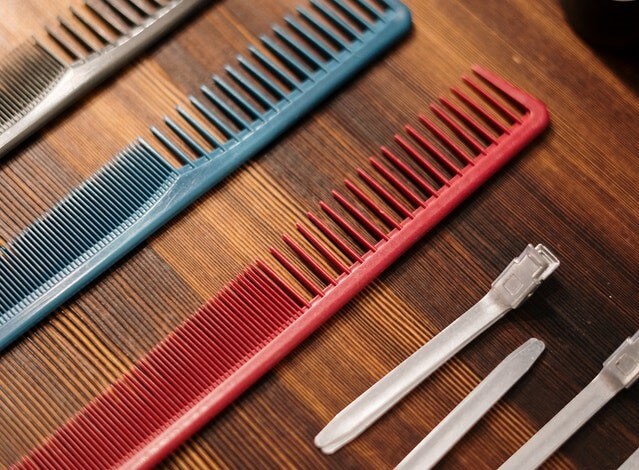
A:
43, 76
268, 309
234, 117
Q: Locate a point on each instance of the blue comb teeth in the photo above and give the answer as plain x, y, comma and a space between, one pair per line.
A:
237, 115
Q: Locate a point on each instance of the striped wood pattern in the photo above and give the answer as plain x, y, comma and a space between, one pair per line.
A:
575, 190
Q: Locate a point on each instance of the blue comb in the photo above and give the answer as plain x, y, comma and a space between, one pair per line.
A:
248, 108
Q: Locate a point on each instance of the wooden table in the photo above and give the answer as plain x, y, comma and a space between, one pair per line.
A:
575, 189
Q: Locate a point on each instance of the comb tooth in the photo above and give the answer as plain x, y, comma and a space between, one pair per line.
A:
222, 334
244, 305
274, 69
249, 88
311, 38
201, 375
233, 316
358, 215
41, 70
65, 45
19, 265
351, 14
105, 422
153, 159
395, 182
155, 383
518, 97
408, 172
273, 293
116, 28
273, 317
237, 99
488, 97
422, 162
284, 300
121, 12
90, 25
160, 380
140, 8
302, 51
457, 129
198, 127
334, 238
296, 273
261, 78
371, 11
472, 123
454, 148
76, 35
247, 299
18, 98
347, 227
308, 260
336, 20
322, 249
212, 118
472, 104
23, 88
278, 313
72, 443
162, 369
42, 460
368, 202
384, 194
71, 451
149, 389
185, 137
266, 295
434, 151
211, 331
181, 362
281, 284
225, 108
49, 62
171, 147
322, 29
13, 291
298, 69
83, 434
172, 365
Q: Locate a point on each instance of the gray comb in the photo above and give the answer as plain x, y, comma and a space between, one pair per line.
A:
40, 78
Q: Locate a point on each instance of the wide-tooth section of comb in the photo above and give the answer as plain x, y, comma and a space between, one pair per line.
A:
42, 77
232, 119
268, 310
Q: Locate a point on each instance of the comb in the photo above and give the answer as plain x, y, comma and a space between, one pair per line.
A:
268, 309
42, 77
246, 109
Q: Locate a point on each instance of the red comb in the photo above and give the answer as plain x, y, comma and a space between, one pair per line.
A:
260, 316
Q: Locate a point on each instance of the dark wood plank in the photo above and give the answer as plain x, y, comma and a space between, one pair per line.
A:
575, 189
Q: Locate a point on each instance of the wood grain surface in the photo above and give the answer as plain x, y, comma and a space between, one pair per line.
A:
575, 189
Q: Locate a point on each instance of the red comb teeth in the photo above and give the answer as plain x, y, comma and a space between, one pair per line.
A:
260, 316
